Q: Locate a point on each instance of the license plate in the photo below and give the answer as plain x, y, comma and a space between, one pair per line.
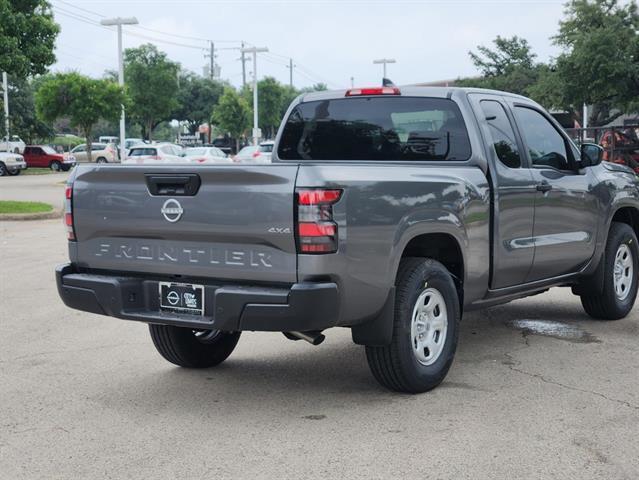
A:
182, 298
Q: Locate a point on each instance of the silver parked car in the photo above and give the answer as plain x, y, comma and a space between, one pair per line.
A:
253, 154
157, 153
207, 155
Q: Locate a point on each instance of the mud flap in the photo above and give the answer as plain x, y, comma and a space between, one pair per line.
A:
378, 331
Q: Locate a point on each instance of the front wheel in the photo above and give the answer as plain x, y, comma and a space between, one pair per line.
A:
425, 329
190, 348
621, 267
101, 160
3, 170
15, 172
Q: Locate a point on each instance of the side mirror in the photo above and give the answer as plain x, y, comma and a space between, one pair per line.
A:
591, 155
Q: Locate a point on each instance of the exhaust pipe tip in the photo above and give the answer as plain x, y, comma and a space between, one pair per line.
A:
314, 338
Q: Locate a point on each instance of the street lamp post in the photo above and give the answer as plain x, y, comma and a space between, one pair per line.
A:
5, 92
119, 22
384, 61
255, 51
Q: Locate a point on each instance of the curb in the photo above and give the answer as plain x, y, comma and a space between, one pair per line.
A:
55, 213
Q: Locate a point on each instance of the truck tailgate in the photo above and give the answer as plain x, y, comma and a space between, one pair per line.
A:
239, 225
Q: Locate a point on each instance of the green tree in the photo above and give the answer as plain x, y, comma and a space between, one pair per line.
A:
196, 98
599, 64
24, 121
27, 37
509, 66
84, 100
152, 85
232, 114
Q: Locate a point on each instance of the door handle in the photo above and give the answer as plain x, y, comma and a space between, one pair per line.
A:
544, 187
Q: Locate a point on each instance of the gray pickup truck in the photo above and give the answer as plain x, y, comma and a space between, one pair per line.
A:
385, 210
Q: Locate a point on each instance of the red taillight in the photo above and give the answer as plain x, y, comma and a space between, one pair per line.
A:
318, 197
68, 212
256, 154
316, 230
356, 92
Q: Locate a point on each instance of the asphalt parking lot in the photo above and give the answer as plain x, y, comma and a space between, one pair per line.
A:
538, 390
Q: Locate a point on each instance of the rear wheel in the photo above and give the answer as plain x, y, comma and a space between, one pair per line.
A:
55, 166
193, 348
621, 268
101, 160
425, 329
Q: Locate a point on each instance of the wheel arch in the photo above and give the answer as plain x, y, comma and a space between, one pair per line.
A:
628, 215
443, 247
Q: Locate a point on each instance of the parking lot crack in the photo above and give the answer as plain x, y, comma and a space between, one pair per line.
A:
511, 363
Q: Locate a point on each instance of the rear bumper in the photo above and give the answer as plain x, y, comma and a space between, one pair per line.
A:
301, 307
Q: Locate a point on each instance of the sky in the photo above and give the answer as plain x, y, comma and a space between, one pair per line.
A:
330, 41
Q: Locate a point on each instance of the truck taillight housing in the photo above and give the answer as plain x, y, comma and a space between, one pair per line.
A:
68, 212
316, 229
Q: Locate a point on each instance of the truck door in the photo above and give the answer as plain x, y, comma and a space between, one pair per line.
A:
513, 196
566, 210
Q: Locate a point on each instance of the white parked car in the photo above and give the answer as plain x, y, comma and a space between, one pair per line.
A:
11, 163
132, 142
207, 155
253, 154
107, 139
100, 153
14, 145
157, 153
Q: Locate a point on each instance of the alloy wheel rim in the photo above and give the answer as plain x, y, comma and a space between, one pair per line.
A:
429, 326
623, 272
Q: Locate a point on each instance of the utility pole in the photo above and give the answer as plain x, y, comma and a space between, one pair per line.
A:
255, 51
290, 67
243, 58
384, 61
212, 54
119, 22
5, 90
352, 82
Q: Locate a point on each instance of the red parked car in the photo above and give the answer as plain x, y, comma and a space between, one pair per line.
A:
43, 156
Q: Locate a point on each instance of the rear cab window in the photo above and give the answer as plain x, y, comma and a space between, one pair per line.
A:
376, 128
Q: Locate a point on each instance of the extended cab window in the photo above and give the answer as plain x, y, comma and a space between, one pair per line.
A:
545, 144
375, 128
502, 133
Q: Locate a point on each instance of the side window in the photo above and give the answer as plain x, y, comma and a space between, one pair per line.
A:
502, 133
545, 144
80, 148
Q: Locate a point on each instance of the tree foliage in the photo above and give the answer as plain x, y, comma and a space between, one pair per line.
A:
22, 116
152, 85
197, 96
82, 99
232, 114
599, 64
509, 66
27, 37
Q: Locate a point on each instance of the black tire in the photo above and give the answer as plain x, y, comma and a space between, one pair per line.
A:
607, 305
55, 166
182, 346
3, 170
396, 366
101, 160
15, 172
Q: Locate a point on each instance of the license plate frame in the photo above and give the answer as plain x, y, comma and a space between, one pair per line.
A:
185, 298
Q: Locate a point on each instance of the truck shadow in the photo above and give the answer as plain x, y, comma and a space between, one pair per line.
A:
302, 380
